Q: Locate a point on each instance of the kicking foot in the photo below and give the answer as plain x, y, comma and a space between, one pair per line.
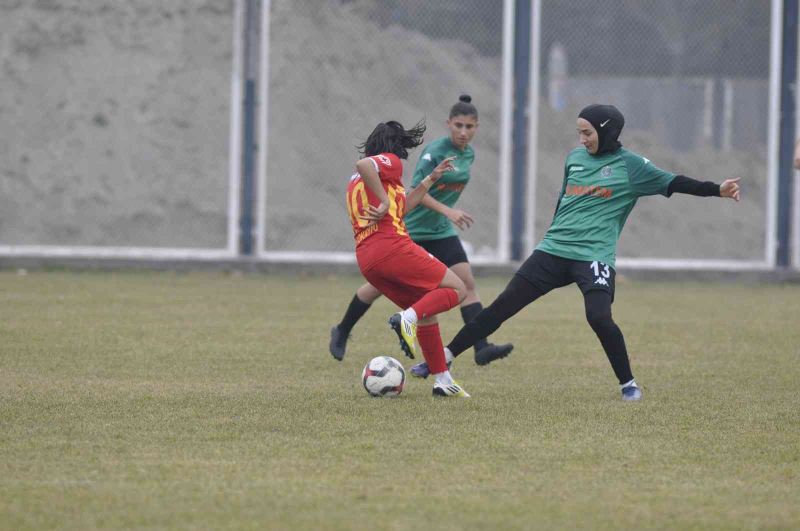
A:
407, 333
492, 352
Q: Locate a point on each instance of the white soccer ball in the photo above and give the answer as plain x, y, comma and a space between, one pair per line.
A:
383, 376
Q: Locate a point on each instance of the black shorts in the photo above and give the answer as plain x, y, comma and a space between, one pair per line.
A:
449, 250
547, 272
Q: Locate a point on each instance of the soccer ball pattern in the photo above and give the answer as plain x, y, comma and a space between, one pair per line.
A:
383, 376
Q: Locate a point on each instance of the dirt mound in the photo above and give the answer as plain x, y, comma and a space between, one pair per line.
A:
115, 122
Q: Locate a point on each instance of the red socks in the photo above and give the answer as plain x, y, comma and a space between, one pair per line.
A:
430, 340
436, 301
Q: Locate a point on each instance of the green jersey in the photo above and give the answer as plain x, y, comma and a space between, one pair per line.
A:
426, 224
596, 198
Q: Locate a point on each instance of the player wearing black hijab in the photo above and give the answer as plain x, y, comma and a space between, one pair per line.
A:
602, 182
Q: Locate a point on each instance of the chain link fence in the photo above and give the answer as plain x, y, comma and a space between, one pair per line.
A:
115, 122
116, 116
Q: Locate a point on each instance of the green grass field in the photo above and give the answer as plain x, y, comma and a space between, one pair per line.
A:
208, 401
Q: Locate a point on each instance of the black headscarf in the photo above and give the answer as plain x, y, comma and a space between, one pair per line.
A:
608, 122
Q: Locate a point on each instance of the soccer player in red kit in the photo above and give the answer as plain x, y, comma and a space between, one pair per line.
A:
402, 270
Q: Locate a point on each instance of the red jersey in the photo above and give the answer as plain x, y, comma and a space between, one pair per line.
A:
374, 243
389, 260
390, 171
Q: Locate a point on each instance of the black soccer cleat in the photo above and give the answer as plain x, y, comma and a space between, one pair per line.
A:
492, 352
338, 343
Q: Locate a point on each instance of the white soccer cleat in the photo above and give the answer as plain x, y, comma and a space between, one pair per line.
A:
449, 390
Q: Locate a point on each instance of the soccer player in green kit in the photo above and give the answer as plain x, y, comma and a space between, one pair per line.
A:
602, 182
430, 225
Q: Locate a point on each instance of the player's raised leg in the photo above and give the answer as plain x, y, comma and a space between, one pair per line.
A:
449, 293
485, 352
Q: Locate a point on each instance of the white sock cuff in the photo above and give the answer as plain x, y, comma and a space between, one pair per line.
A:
448, 356
631, 383
410, 315
444, 378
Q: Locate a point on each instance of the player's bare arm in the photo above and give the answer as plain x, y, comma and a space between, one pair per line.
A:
461, 219
366, 168
415, 196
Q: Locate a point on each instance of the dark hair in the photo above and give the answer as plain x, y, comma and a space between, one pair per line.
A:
464, 107
391, 137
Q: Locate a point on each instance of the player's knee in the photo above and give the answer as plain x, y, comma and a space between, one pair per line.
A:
599, 318
461, 290
368, 293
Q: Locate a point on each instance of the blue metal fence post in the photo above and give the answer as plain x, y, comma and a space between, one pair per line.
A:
251, 50
522, 76
787, 131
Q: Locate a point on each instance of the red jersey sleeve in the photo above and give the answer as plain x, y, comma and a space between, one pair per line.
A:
389, 166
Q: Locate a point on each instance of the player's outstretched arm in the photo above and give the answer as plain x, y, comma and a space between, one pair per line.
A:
686, 185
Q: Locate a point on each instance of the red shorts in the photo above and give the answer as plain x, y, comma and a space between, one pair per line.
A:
404, 273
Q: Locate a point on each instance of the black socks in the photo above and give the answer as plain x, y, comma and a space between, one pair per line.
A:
354, 312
